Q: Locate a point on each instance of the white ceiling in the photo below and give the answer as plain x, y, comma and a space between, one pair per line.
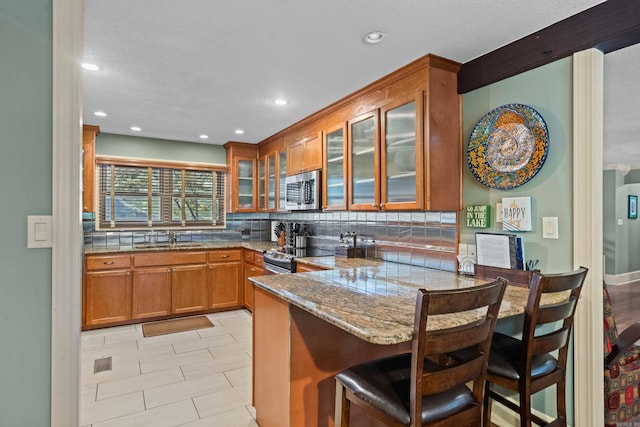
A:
179, 69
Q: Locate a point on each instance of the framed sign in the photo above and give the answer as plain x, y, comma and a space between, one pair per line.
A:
633, 207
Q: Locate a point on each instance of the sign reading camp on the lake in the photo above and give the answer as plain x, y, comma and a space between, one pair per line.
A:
478, 216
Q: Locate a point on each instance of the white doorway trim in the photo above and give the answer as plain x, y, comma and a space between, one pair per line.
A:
588, 93
66, 254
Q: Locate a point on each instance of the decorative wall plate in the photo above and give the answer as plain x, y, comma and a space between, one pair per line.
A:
508, 146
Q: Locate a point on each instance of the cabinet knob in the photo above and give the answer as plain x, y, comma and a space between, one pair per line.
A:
128, 273
374, 205
381, 205
211, 267
168, 270
174, 270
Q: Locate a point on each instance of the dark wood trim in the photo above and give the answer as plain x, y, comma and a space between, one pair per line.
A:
609, 26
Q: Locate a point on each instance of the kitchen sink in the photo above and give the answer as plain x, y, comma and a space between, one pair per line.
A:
167, 245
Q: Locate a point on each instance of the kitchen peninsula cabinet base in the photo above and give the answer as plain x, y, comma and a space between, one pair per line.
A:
295, 358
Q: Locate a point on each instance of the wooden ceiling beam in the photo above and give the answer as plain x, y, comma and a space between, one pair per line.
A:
609, 26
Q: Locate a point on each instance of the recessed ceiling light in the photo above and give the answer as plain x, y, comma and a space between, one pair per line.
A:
373, 37
100, 114
90, 67
280, 101
203, 136
238, 131
136, 128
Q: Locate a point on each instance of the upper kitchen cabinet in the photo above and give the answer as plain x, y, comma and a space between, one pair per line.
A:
403, 141
364, 165
334, 189
282, 176
267, 183
401, 152
242, 161
304, 154
89, 134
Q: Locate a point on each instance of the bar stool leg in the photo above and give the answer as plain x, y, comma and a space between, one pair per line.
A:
525, 407
343, 407
486, 410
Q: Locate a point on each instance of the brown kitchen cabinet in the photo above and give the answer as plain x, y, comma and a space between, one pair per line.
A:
89, 134
267, 183
107, 290
224, 279
385, 148
166, 283
243, 183
253, 266
334, 179
304, 154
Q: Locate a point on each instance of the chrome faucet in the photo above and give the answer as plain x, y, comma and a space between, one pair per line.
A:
173, 237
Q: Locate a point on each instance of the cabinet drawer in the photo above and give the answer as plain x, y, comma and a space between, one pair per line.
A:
108, 262
258, 259
169, 258
225, 255
249, 256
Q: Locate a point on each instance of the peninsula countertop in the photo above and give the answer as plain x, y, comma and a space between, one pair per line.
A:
377, 303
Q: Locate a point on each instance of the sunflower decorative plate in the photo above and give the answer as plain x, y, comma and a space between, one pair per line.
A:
508, 146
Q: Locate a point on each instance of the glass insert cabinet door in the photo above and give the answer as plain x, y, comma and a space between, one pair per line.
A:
245, 184
262, 179
400, 156
282, 175
363, 148
335, 169
271, 183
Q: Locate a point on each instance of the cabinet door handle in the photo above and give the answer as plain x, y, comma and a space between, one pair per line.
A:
128, 273
374, 205
211, 267
381, 205
174, 270
168, 270
224, 256
108, 262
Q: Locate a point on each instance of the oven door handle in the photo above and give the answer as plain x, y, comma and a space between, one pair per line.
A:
274, 269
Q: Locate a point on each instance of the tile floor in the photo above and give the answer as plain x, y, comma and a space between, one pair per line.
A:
191, 379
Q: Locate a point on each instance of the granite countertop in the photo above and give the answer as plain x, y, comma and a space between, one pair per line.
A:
180, 246
377, 303
329, 262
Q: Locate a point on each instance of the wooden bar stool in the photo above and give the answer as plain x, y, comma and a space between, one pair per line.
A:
527, 366
426, 387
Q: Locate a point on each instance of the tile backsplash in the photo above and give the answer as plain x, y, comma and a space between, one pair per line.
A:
420, 238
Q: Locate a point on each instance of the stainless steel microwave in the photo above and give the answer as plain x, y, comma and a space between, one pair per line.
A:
303, 191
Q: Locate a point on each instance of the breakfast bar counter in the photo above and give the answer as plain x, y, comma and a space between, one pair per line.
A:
309, 326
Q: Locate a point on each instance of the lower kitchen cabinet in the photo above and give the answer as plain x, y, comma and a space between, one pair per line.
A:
224, 278
107, 297
151, 292
253, 266
188, 289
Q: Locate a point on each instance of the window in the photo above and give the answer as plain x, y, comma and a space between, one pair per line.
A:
151, 194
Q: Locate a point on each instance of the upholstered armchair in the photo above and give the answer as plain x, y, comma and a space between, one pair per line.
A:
621, 369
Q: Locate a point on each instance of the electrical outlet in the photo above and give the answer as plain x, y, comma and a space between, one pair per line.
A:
471, 250
462, 249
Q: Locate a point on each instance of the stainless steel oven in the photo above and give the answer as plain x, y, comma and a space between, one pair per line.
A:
278, 263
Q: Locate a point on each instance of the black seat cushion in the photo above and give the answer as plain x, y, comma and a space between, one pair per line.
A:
505, 356
385, 384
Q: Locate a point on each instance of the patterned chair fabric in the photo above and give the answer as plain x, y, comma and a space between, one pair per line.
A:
622, 379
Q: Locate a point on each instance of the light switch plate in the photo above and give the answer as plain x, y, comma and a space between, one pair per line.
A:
498, 212
39, 231
550, 227
462, 248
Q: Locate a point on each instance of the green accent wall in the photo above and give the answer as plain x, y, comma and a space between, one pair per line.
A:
108, 144
25, 185
548, 90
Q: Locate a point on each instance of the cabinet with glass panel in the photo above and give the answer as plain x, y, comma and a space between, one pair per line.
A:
385, 149
267, 183
242, 158
334, 191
